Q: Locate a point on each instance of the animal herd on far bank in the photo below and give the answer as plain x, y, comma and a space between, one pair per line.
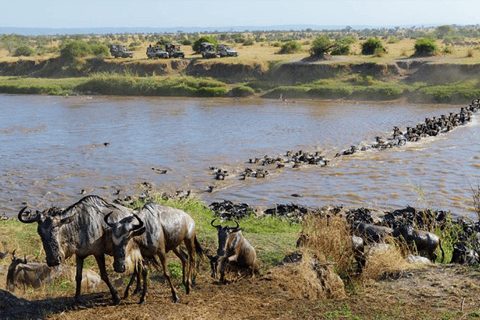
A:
139, 239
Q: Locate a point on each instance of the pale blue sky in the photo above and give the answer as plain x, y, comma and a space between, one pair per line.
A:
213, 13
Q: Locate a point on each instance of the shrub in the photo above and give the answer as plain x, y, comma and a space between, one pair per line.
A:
276, 44
186, 42
371, 45
24, 51
196, 43
448, 49
99, 50
72, 49
321, 46
76, 49
242, 91
469, 53
341, 50
425, 47
249, 42
290, 47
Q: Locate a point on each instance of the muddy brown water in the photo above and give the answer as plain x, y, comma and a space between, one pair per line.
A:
52, 148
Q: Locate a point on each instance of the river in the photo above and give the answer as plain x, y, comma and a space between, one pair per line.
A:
52, 148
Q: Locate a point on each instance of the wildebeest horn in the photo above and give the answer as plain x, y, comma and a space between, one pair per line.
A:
219, 226
32, 219
106, 220
138, 226
234, 228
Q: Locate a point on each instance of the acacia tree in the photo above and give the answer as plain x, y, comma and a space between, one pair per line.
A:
196, 43
321, 46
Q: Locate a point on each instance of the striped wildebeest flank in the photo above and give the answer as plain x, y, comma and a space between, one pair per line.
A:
233, 250
165, 229
79, 230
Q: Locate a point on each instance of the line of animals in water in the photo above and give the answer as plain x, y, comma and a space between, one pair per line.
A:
429, 128
93, 226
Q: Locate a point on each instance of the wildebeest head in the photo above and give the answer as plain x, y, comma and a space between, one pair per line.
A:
122, 232
223, 233
49, 223
11, 271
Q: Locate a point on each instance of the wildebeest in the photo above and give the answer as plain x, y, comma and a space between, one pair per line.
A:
165, 229
79, 230
233, 250
22, 273
371, 233
424, 241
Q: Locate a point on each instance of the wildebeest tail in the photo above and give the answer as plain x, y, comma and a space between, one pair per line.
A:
441, 249
199, 250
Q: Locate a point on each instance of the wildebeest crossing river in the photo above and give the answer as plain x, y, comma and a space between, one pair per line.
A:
54, 149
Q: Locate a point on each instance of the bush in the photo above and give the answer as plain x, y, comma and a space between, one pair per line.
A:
249, 42
425, 47
196, 43
186, 42
99, 50
341, 50
77, 49
242, 91
290, 47
321, 46
372, 45
24, 51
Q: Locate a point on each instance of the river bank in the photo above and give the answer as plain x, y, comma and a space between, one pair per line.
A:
416, 80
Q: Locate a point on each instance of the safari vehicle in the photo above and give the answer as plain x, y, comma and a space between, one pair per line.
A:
174, 50
156, 53
207, 50
120, 51
224, 51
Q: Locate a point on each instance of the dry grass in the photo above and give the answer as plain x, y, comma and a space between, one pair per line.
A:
266, 53
388, 260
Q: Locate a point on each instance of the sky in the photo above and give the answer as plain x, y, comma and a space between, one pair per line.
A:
214, 13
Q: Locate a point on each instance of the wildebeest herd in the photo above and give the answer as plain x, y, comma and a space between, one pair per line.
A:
93, 226
135, 239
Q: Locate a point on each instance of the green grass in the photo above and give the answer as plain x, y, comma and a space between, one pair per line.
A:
271, 237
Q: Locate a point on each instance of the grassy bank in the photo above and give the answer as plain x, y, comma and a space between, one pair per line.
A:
352, 88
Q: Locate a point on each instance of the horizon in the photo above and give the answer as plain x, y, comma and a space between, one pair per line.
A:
208, 14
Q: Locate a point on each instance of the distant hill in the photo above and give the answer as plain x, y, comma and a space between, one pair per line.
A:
115, 30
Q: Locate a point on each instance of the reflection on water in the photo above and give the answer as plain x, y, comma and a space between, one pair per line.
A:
54, 147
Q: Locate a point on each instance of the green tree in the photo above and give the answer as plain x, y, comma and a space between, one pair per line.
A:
321, 46
425, 47
24, 51
371, 46
196, 43
442, 31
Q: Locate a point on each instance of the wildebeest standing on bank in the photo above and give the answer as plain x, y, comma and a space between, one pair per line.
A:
78, 230
424, 241
165, 229
233, 249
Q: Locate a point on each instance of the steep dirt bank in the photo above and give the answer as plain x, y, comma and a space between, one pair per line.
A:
410, 70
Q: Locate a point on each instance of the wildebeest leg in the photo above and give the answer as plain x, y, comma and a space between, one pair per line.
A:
183, 257
132, 279
163, 261
78, 278
103, 274
190, 244
221, 266
144, 277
